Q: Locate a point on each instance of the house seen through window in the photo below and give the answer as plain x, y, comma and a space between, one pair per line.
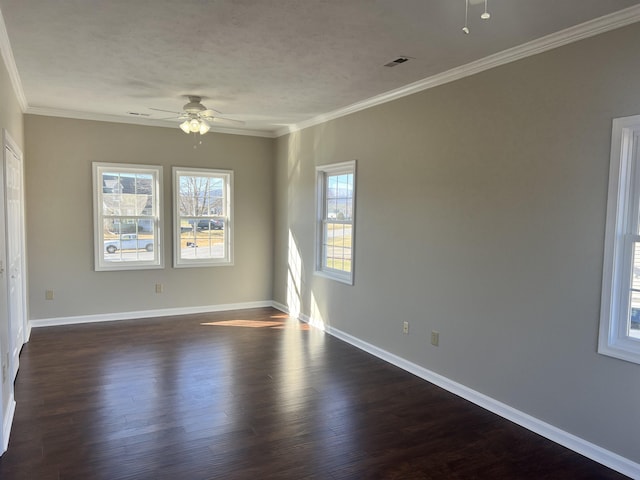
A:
127, 216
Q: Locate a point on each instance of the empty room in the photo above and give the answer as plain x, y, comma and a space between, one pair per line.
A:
320, 239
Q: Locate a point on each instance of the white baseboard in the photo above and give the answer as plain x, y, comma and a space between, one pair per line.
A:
7, 421
280, 306
566, 439
164, 312
27, 333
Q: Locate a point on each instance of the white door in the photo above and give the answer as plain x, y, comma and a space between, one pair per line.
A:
16, 289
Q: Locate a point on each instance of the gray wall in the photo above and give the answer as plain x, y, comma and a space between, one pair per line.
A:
59, 153
481, 214
10, 119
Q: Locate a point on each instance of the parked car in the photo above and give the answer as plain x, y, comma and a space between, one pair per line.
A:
210, 224
129, 241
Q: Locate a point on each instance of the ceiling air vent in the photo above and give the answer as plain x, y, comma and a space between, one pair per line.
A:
397, 61
139, 114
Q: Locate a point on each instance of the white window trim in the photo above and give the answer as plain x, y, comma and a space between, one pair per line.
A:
321, 172
622, 214
229, 227
158, 257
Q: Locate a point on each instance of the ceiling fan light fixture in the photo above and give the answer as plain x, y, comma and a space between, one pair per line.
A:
204, 127
194, 125
184, 126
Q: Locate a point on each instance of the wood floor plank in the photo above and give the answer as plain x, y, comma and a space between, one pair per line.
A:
250, 394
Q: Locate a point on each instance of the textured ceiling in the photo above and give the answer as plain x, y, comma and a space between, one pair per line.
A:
270, 63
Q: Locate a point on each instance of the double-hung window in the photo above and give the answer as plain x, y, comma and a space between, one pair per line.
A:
203, 226
620, 306
336, 197
127, 216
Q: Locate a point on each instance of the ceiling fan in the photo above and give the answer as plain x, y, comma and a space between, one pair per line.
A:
197, 117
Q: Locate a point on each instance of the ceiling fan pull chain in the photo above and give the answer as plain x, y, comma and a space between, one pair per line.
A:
486, 15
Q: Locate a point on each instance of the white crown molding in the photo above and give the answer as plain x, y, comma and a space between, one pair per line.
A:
566, 439
10, 63
549, 42
103, 117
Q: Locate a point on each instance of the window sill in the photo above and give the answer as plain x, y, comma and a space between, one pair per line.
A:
347, 280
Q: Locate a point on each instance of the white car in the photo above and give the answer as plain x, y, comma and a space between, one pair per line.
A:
129, 241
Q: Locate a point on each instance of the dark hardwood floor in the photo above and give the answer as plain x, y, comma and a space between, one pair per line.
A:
250, 395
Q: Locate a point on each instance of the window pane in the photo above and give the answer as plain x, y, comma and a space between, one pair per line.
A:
634, 310
215, 197
202, 240
194, 195
349, 210
634, 323
201, 196
127, 194
329, 256
114, 226
340, 196
338, 246
635, 273
342, 186
332, 186
128, 240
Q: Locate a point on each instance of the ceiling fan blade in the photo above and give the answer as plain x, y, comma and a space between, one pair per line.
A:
210, 112
167, 111
231, 121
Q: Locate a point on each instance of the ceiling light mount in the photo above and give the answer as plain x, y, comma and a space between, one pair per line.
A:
194, 106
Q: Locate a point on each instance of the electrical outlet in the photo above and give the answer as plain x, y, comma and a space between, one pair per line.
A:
405, 327
159, 288
48, 295
435, 338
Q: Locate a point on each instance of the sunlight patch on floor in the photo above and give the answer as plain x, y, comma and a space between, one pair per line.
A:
257, 324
